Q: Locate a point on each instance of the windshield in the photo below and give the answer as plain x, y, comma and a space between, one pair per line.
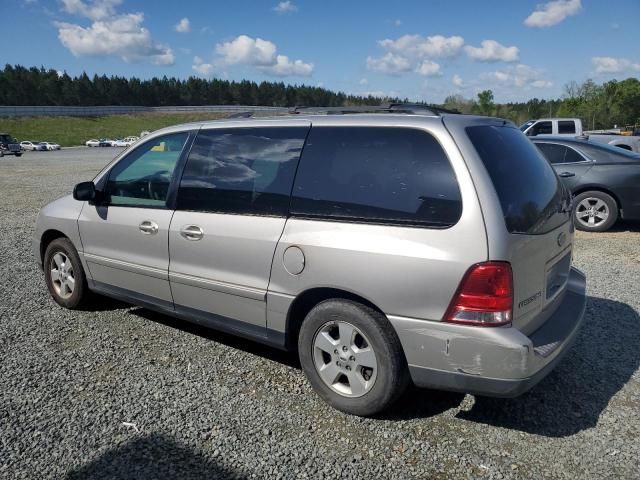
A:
532, 198
526, 125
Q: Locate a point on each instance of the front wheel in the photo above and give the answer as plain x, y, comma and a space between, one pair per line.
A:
18, 154
352, 357
595, 211
64, 274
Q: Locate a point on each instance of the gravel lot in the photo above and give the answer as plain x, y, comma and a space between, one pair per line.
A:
121, 392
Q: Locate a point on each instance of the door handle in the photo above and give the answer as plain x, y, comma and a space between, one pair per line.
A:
192, 232
148, 227
567, 174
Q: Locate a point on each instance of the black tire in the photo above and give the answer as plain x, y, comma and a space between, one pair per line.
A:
611, 206
18, 154
80, 291
392, 376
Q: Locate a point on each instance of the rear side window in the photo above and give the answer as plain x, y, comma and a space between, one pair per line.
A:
558, 154
566, 127
530, 193
378, 175
241, 171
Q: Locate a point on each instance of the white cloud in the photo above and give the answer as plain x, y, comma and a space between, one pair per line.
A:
204, 69
244, 49
261, 54
95, 10
614, 65
183, 26
363, 81
285, 7
389, 63
428, 68
111, 33
552, 13
520, 76
397, 22
492, 51
285, 67
457, 81
436, 46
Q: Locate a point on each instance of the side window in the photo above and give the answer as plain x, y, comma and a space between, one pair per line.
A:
542, 128
242, 170
571, 156
377, 175
142, 178
566, 127
553, 152
556, 153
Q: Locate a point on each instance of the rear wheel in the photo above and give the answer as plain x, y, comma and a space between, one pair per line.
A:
595, 211
352, 357
64, 274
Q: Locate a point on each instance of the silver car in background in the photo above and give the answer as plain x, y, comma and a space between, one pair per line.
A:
400, 245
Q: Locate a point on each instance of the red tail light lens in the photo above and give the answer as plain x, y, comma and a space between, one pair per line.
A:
485, 296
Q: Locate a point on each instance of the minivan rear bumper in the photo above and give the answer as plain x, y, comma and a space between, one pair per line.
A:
501, 362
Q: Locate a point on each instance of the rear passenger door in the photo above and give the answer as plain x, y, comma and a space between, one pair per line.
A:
231, 209
567, 162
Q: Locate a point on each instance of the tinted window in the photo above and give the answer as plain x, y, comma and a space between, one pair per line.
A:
244, 170
557, 153
566, 126
142, 178
542, 128
607, 153
529, 191
377, 175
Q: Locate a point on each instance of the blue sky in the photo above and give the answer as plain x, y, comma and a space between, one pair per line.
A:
423, 50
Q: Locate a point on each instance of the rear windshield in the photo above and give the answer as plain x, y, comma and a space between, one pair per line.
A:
532, 198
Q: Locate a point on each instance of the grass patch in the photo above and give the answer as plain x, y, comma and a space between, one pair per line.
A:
69, 131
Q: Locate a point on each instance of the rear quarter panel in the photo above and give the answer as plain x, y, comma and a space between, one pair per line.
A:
405, 271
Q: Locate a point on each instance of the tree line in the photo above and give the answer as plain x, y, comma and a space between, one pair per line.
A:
598, 105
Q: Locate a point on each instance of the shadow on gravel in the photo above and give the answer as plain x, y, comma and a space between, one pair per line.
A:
151, 457
575, 394
249, 346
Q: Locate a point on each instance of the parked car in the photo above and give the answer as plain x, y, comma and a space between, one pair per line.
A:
94, 142
132, 139
49, 146
121, 142
106, 142
397, 246
9, 146
605, 180
28, 145
572, 127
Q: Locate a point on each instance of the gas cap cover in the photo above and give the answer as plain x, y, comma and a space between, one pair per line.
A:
293, 260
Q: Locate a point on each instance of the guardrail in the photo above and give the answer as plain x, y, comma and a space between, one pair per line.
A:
99, 111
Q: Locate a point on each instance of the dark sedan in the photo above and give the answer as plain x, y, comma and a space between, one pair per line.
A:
604, 180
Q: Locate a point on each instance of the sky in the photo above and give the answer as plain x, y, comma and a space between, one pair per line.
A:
421, 49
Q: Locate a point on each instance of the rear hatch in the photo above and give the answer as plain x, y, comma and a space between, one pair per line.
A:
536, 208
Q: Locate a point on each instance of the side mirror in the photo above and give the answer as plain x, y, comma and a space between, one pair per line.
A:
84, 191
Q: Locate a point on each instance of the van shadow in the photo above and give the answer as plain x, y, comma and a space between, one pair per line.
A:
289, 359
572, 398
151, 457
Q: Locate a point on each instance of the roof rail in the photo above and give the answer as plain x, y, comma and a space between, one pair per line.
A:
409, 108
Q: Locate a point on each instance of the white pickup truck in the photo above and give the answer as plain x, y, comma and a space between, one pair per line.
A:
572, 127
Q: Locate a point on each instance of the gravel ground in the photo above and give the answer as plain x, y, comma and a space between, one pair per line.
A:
121, 392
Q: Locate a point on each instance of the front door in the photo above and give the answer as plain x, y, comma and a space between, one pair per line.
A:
125, 238
232, 206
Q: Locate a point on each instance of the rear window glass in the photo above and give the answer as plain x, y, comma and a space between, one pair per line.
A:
378, 175
529, 190
566, 127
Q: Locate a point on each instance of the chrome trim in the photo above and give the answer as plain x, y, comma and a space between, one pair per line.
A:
218, 286
127, 266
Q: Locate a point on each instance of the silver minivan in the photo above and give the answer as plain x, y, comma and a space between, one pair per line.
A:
386, 247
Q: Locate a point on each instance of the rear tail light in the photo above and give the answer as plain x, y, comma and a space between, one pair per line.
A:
484, 297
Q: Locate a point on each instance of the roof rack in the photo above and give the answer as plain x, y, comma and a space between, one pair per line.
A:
408, 108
